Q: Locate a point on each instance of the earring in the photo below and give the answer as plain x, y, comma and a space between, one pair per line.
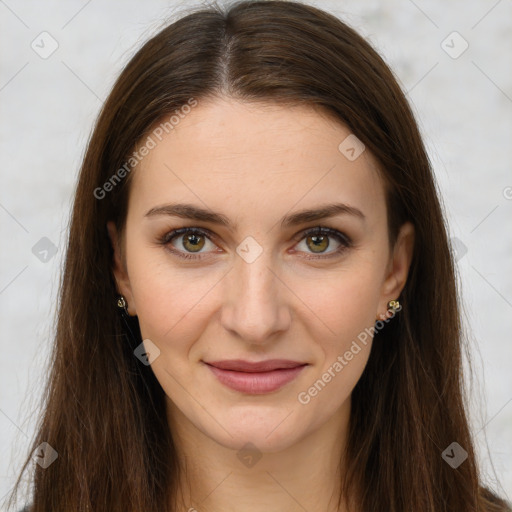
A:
393, 307
121, 303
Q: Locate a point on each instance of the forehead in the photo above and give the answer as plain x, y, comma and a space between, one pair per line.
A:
230, 152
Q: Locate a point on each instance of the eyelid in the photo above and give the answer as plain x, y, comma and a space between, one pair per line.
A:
173, 233
323, 230
342, 238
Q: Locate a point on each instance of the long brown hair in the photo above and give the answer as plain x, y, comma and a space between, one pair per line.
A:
103, 410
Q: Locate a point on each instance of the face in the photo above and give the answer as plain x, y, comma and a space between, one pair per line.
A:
251, 236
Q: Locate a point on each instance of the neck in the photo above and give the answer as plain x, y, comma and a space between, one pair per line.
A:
302, 476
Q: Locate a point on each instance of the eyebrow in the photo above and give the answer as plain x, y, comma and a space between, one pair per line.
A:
192, 212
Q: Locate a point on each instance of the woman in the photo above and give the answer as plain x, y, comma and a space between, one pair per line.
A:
258, 308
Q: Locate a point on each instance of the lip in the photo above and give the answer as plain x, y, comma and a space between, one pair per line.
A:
240, 365
256, 377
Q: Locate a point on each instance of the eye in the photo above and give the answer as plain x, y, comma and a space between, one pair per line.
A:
316, 241
189, 242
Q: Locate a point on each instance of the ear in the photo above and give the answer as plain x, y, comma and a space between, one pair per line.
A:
398, 267
119, 269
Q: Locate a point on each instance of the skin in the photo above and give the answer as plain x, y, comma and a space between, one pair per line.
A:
256, 163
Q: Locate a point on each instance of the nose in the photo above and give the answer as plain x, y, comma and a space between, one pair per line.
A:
255, 304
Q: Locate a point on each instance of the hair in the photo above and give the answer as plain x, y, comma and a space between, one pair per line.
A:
103, 411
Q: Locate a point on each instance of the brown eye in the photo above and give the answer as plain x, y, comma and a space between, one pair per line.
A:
317, 243
193, 242
188, 242
317, 240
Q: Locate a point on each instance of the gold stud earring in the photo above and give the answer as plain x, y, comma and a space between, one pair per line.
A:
394, 306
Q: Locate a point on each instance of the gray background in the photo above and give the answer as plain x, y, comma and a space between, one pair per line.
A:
48, 106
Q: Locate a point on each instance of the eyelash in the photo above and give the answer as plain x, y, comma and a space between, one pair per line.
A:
343, 239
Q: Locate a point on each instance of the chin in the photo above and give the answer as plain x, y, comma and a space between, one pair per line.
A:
271, 432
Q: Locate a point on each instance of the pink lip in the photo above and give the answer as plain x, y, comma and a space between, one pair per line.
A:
255, 378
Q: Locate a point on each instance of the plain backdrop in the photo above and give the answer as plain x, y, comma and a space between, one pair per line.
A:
460, 87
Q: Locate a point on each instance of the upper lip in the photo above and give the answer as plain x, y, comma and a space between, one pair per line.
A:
261, 366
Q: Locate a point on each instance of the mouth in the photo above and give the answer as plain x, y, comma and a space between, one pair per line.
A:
255, 377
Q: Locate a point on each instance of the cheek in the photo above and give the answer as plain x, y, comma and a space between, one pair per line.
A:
171, 302
344, 309
342, 354
344, 303
170, 305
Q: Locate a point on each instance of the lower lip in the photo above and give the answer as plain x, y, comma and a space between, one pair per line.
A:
256, 383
